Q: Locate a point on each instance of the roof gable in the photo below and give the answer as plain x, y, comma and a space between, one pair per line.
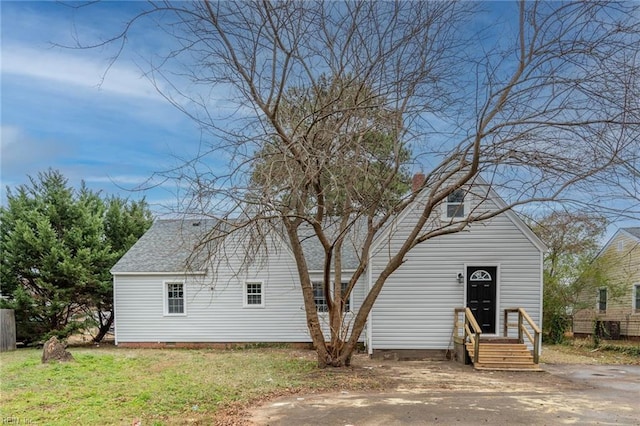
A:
500, 203
632, 233
168, 246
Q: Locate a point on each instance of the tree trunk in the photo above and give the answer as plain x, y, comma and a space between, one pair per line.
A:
103, 328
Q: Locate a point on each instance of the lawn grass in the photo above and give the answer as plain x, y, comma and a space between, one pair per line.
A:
108, 386
583, 351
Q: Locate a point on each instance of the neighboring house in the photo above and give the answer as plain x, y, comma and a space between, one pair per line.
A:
162, 299
618, 313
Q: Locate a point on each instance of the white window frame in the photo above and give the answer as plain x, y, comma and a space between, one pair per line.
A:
481, 275
245, 294
465, 206
347, 305
634, 294
165, 298
606, 302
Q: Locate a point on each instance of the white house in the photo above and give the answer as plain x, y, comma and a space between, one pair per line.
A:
164, 298
491, 266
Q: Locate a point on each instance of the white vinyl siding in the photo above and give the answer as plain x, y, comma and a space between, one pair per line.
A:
215, 306
415, 308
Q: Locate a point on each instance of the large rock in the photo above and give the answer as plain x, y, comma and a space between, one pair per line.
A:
55, 351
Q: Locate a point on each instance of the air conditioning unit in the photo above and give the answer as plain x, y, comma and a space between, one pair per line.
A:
608, 330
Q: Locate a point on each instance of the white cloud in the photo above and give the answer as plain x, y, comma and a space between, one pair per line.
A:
20, 153
9, 136
134, 181
82, 71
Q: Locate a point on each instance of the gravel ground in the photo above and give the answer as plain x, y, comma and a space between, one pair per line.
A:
575, 388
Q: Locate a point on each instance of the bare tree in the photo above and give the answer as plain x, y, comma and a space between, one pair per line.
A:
300, 97
570, 272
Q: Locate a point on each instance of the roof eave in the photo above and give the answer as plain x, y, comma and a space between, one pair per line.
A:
156, 273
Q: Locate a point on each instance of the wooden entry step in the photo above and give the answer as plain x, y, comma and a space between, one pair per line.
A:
503, 356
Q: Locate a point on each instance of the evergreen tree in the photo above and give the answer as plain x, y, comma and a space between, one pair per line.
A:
56, 254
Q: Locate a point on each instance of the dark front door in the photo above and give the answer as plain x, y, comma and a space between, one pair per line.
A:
481, 296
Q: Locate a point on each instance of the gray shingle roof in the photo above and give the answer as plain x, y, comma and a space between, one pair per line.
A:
351, 247
168, 246
635, 231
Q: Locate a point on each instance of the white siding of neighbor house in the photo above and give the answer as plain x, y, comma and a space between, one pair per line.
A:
415, 309
214, 306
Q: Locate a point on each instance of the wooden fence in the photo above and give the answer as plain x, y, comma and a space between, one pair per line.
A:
7, 330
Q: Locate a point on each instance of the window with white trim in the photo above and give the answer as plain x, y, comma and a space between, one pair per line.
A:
321, 301
455, 205
174, 294
602, 299
480, 275
253, 294
636, 298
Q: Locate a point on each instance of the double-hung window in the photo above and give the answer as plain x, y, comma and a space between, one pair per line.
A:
174, 293
321, 301
602, 300
253, 294
454, 207
636, 298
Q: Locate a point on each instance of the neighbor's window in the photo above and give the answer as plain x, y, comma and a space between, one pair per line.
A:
253, 294
455, 204
321, 301
636, 297
602, 299
175, 298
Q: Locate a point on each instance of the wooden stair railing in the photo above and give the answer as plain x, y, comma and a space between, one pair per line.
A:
499, 353
523, 330
471, 329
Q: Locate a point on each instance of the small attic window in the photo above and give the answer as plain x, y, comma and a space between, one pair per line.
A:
455, 205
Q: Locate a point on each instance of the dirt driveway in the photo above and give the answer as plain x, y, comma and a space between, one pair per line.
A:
444, 392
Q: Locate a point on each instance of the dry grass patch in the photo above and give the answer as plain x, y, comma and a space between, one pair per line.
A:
582, 351
111, 386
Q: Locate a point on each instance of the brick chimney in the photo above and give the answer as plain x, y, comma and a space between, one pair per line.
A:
417, 182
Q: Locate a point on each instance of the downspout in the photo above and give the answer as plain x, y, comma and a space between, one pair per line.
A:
542, 301
369, 329
115, 306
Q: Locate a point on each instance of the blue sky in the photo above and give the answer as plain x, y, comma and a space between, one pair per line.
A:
68, 109
57, 110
